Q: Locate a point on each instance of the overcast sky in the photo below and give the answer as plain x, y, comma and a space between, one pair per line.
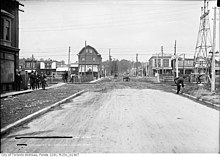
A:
127, 27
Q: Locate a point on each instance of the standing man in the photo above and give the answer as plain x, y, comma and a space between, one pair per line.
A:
179, 81
43, 80
66, 76
18, 81
37, 80
32, 77
199, 79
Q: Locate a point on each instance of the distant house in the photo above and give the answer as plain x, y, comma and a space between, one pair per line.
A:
157, 63
89, 61
31, 64
60, 64
9, 39
185, 66
48, 66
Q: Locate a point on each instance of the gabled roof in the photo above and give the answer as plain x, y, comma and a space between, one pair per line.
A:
90, 47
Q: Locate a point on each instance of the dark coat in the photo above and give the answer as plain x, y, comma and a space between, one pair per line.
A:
179, 81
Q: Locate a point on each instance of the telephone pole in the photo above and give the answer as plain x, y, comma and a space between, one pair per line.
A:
184, 64
213, 53
32, 61
69, 61
137, 64
110, 69
176, 62
162, 59
85, 61
69, 57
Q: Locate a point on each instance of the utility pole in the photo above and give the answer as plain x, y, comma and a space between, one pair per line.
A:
85, 61
174, 55
136, 64
69, 61
176, 63
69, 57
32, 62
110, 69
183, 64
213, 53
162, 59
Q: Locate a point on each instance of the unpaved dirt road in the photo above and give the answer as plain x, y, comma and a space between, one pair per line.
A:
120, 120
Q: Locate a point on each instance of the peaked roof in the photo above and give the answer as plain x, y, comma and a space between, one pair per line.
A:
88, 46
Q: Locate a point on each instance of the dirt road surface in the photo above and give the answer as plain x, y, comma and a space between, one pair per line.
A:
120, 120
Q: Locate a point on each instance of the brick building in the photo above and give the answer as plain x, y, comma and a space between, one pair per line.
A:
9, 43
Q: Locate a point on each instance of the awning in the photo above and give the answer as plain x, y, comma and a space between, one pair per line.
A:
62, 69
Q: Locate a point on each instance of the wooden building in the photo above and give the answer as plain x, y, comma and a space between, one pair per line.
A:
89, 61
160, 64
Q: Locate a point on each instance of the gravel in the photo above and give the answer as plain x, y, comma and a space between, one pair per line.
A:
20, 106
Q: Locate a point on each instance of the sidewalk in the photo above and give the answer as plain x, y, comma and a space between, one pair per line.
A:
9, 94
28, 91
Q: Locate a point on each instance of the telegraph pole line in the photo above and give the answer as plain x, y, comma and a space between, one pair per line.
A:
69, 61
175, 48
32, 61
69, 57
213, 53
136, 64
176, 63
85, 61
162, 59
184, 64
110, 69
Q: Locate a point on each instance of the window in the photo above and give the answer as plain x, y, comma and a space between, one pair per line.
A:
28, 65
93, 59
166, 62
2, 28
87, 50
6, 29
83, 59
47, 65
34, 64
157, 63
90, 50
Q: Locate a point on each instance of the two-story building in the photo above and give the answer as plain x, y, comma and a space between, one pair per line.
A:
9, 46
48, 66
159, 63
185, 66
89, 61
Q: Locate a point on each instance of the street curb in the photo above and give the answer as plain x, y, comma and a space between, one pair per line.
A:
25, 92
38, 113
200, 100
19, 93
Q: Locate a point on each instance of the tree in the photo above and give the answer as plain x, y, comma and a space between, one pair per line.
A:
124, 66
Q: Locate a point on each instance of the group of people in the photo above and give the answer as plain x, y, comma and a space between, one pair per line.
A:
37, 80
